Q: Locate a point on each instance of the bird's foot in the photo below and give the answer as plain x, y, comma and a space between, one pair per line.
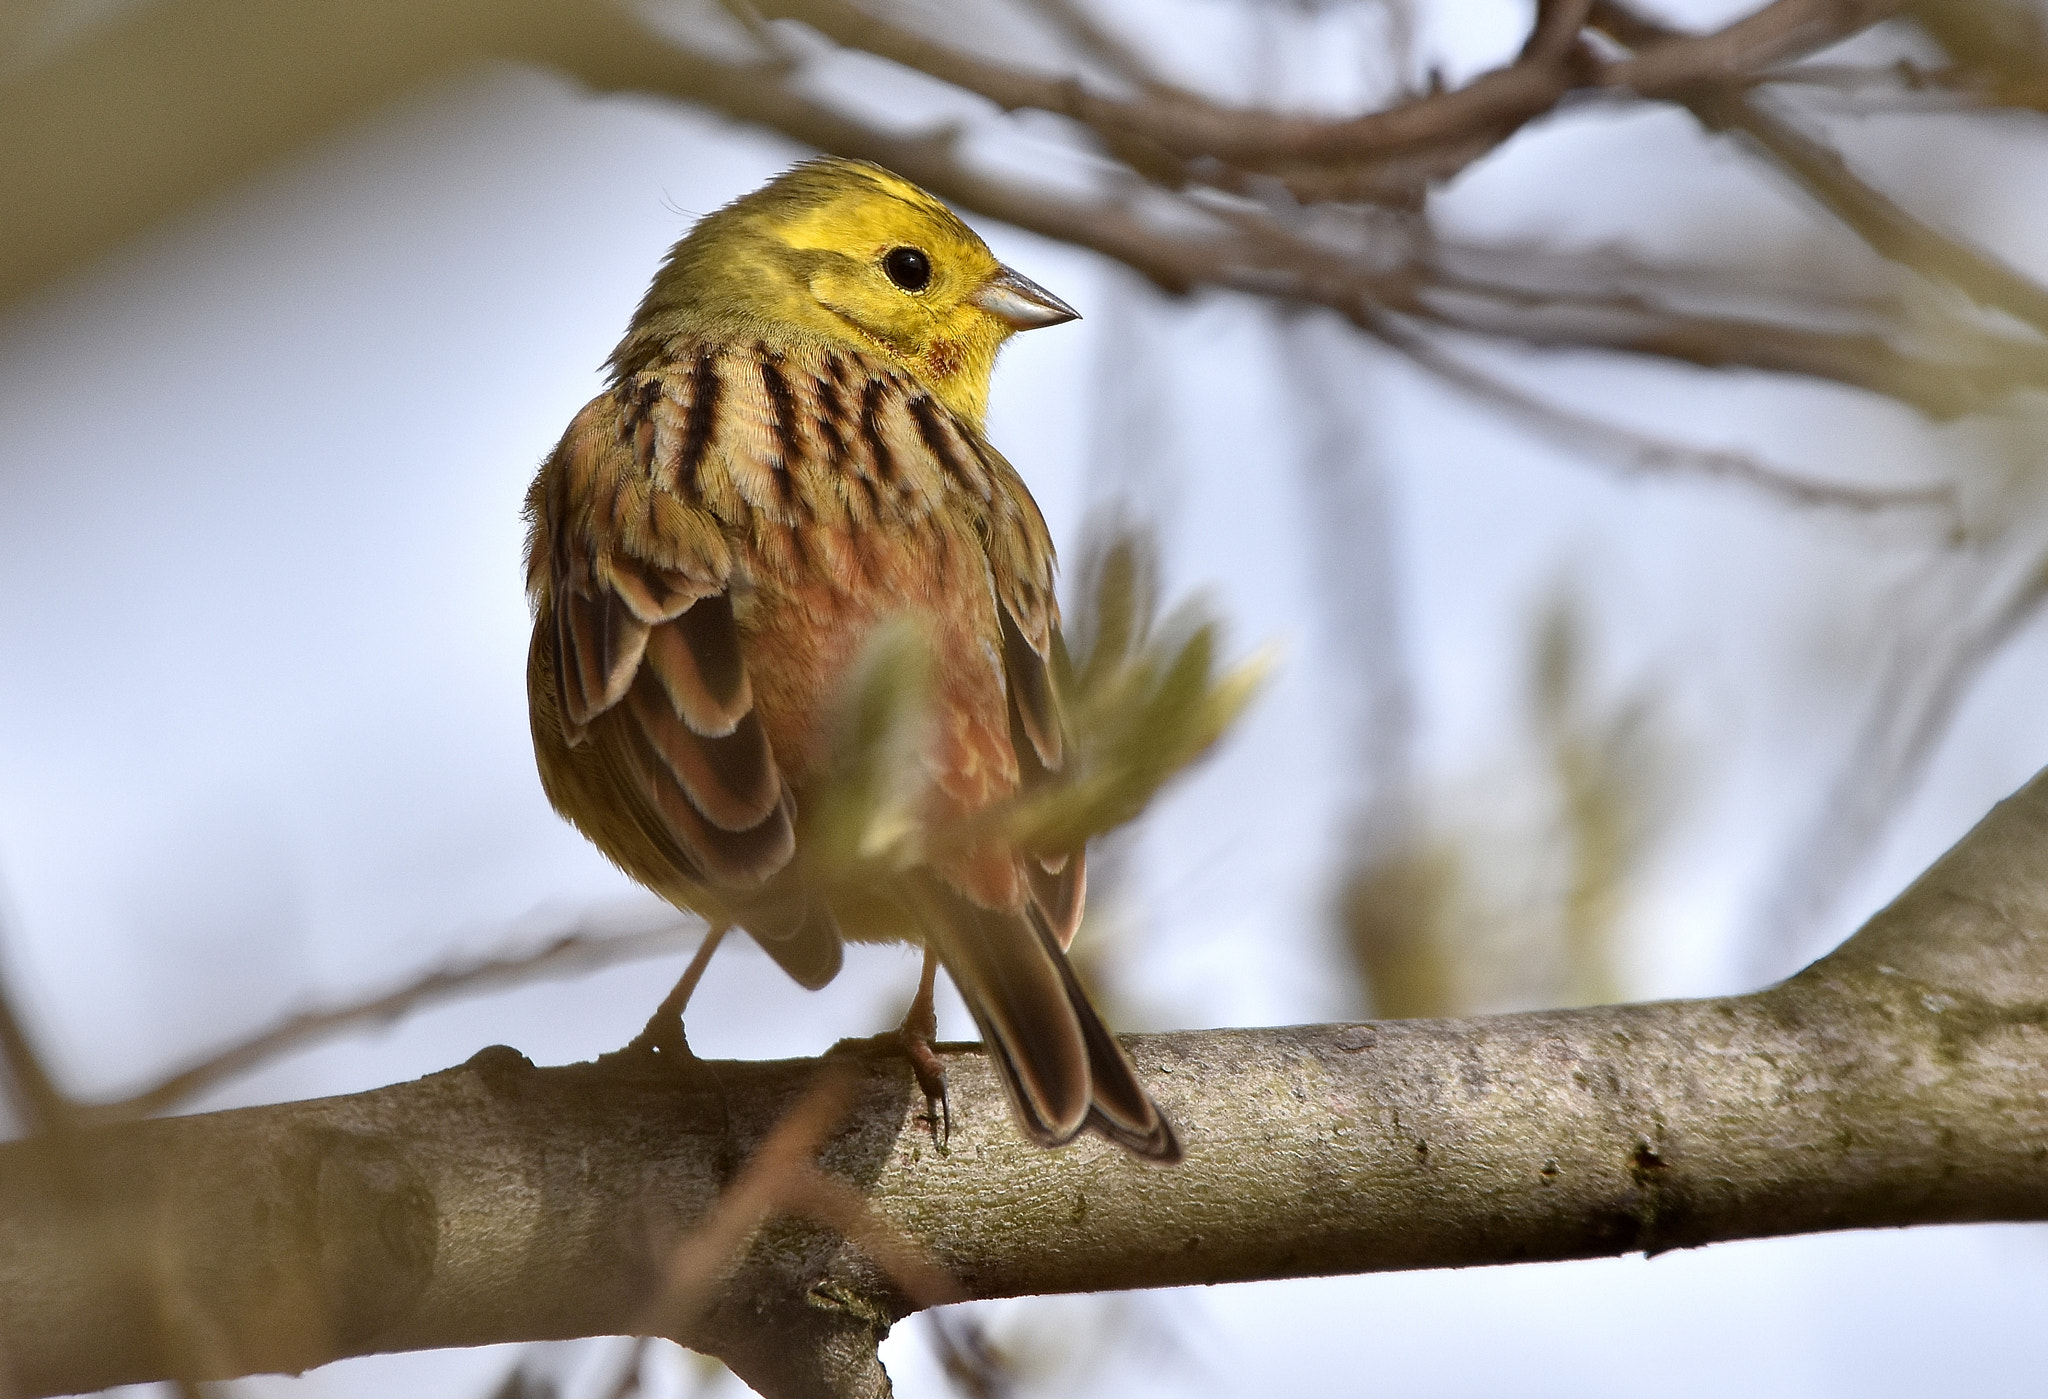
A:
914, 1036
662, 1038
916, 1043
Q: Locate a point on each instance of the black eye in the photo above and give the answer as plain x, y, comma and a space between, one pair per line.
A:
908, 268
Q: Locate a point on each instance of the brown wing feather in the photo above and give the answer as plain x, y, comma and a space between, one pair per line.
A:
1057, 881
741, 859
600, 644
647, 661
1031, 695
731, 779
697, 661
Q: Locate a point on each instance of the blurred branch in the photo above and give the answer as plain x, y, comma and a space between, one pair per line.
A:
1181, 127
34, 1095
627, 1385
1635, 453
1196, 194
1356, 561
521, 1382
1456, 125
1389, 892
175, 100
569, 953
1998, 49
1928, 673
1092, 38
39, 1105
1612, 764
1902, 1080
971, 1362
1667, 61
1822, 173
1880, 222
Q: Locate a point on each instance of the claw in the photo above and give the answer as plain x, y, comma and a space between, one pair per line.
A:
931, 1077
920, 1027
663, 1036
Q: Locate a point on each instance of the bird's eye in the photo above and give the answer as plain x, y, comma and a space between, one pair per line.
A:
908, 268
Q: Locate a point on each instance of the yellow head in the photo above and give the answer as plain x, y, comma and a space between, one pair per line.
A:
842, 250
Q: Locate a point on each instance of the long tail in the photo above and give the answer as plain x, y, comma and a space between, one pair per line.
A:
1064, 1071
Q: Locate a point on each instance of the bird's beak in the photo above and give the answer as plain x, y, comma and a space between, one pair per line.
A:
1021, 303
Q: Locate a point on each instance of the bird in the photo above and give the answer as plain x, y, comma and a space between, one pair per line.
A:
790, 458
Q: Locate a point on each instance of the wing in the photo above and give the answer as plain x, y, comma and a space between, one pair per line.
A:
1020, 560
1056, 881
655, 748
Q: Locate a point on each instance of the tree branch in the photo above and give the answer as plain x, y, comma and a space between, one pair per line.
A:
1638, 454
241, 100
1667, 61
1824, 175
1902, 1080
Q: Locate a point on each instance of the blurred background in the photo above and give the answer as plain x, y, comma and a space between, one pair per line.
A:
1643, 493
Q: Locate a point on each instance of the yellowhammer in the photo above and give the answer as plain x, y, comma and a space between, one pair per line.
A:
789, 457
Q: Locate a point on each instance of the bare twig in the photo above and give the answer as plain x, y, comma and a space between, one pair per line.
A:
1636, 454
1928, 673
970, 1361
1667, 62
571, 952
779, 1178
24, 1078
1822, 172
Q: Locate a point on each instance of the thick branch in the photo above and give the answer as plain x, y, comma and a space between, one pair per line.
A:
1903, 1080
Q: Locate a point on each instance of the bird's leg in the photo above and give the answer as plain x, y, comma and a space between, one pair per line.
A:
919, 1028
663, 1033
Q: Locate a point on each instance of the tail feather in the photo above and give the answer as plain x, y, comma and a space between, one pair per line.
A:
1064, 1071
1119, 1106
802, 936
1025, 1014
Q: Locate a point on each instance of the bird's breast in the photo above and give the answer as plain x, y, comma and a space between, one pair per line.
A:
819, 593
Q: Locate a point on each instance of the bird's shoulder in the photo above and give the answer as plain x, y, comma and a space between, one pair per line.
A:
696, 451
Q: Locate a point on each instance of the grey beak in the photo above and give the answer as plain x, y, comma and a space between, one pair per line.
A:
1013, 297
